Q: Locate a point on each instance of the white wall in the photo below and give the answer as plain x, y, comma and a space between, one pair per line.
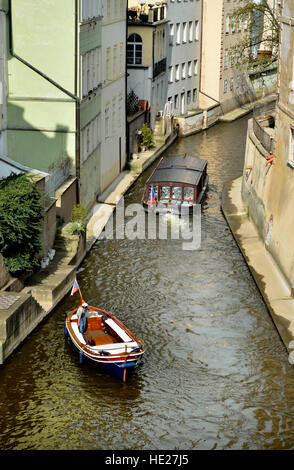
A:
113, 129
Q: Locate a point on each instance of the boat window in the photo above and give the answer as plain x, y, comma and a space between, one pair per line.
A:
177, 192
188, 193
165, 192
155, 191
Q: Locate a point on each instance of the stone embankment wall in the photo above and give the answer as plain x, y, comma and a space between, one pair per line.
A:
204, 118
267, 191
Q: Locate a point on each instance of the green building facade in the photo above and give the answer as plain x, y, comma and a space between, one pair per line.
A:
53, 102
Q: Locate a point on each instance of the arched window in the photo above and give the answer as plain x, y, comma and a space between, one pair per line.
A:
134, 49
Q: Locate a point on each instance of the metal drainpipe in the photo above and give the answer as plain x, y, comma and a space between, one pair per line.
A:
126, 90
50, 80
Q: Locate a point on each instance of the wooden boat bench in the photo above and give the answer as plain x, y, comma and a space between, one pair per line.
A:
95, 333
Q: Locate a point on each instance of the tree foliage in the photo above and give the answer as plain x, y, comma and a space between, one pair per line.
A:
263, 32
21, 213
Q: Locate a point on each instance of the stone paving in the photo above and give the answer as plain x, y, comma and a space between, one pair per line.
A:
7, 300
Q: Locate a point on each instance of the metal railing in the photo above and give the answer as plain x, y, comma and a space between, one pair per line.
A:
159, 67
263, 125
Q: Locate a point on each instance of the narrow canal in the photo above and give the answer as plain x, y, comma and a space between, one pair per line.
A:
215, 375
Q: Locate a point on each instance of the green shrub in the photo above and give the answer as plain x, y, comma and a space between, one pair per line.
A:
79, 214
147, 136
21, 213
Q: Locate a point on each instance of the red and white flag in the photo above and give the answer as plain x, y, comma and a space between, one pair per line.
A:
75, 288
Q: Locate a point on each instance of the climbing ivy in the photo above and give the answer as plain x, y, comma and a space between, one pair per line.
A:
21, 213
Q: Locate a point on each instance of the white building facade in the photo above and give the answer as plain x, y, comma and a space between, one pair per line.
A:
184, 53
113, 120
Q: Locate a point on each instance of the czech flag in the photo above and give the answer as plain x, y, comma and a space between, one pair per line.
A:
152, 198
75, 287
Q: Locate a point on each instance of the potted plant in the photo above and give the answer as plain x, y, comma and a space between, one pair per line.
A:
144, 17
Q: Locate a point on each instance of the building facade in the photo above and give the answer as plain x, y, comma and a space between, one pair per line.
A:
113, 124
268, 184
184, 53
147, 54
222, 81
54, 83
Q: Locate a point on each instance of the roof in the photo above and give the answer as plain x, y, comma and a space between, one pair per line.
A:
179, 169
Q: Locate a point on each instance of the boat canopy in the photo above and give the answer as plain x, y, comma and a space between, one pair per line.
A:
179, 169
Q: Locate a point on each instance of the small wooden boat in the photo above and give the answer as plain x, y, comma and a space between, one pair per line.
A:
106, 342
177, 181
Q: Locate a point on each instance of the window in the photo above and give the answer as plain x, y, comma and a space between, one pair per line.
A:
291, 147
90, 9
233, 25
237, 81
170, 74
227, 24
122, 8
114, 61
107, 64
134, 49
190, 31
176, 192
195, 67
90, 138
121, 64
108, 8
231, 84
177, 77
116, 8
183, 70
90, 71
176, 101
194, 95
240, 24
184, 32
188, 193
189, 97
189, 69
225, 86
232, 59
171, 34
196, 30
113, 119
245, 24
178, 33
226, 58
165, 192
107, 121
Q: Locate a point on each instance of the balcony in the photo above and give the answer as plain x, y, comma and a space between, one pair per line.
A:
147, 15
159, 67
264, 127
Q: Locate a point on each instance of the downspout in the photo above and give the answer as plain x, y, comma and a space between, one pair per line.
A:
126, 91
78, 114
57, 85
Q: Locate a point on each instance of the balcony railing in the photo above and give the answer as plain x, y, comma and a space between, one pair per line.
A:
159, 67
263, 126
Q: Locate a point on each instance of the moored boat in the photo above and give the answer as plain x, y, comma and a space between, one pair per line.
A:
177, 182
106, 342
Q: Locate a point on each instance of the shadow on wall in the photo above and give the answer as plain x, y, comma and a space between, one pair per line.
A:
42, 149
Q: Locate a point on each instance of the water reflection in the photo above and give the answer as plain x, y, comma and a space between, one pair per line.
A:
215, 374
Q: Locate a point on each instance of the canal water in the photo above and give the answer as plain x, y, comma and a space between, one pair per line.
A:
215, 374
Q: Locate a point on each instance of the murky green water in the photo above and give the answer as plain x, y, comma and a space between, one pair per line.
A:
215, 374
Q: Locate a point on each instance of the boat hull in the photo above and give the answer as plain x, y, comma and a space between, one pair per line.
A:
118, 359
